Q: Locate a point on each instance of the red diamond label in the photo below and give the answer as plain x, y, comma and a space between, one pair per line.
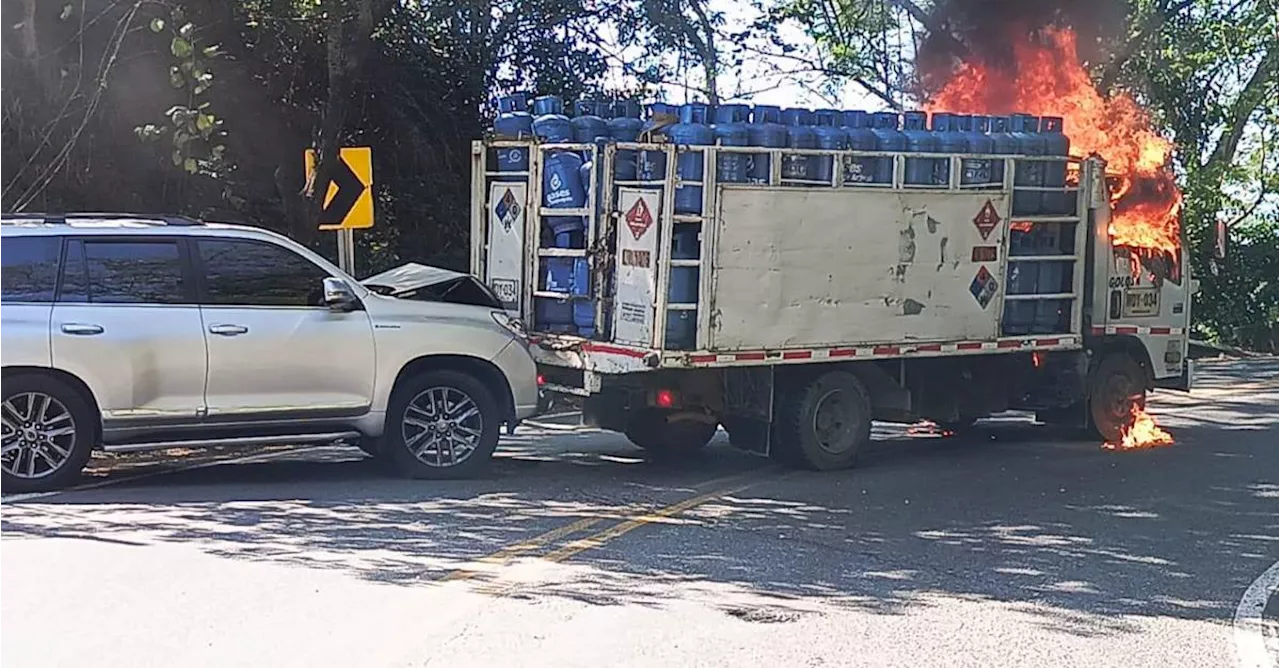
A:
639, 219
986, 220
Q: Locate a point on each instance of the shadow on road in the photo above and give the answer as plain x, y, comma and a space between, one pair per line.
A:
1081, 538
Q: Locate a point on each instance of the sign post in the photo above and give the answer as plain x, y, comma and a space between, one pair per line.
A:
348, 199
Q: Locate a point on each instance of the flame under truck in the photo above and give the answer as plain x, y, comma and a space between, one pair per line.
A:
822, 305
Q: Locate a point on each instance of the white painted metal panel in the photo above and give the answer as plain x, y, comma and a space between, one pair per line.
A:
811, 267
508, 205
636, 262
1149, 295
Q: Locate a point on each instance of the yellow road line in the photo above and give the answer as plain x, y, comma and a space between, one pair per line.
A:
598, 539
507, 554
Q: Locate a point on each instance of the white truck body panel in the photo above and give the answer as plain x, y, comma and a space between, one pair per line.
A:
802, 272
809, 267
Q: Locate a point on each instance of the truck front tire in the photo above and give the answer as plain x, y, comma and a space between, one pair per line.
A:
1116, 388
825, 422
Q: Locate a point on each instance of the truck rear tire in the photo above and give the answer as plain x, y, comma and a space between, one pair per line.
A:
1117, 386
825, 422
651, 431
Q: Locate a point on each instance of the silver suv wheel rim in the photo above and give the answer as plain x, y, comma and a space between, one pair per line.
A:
442, 426
38, 436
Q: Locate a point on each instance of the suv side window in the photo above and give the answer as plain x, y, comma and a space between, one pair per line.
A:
29, 268
119, 271
244, 272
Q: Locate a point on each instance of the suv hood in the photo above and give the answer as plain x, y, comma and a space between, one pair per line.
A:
420, 282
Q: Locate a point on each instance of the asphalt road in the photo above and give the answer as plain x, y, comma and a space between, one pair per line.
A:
1017, 547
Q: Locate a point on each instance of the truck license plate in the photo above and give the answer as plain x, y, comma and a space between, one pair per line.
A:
1141, 302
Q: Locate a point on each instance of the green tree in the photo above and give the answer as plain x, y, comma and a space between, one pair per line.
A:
1209, 70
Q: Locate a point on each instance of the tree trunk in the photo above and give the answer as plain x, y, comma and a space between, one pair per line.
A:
348, 39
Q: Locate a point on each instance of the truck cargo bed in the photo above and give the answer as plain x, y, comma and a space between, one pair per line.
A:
778, 272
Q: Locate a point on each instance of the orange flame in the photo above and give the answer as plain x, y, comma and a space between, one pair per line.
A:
1049, 80
1143, 434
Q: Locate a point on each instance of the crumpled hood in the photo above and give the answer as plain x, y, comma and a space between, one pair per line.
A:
426, 283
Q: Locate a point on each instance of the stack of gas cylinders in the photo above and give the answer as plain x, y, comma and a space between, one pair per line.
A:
569, 176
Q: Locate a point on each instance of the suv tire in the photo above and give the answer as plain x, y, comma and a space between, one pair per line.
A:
49, 431
438, 416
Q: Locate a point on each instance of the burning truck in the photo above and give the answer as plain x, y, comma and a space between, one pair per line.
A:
793, 275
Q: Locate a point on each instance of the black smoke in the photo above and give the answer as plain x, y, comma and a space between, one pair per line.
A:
983, 32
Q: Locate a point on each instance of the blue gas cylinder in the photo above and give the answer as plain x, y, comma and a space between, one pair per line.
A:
555, 314
765, 131
692, 130
861, 137
652, 165
830, 137
1026, 132
683, 286
513, 122
947, 128
888, 138
561, 181
547, 104
1055, 173
974, 129
681, 330
731, 130
562, 189
588, 126
549, 122
799, 135
584, 310
625, 127
1002, 143
919, 171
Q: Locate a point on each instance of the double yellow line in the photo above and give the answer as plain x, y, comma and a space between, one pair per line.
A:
723, 487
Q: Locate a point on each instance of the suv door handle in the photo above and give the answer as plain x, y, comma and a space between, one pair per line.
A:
81, 329
228, 330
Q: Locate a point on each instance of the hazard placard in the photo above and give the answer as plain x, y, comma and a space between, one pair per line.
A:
639, 219
637, 263
983, 287
986, 220
504, 267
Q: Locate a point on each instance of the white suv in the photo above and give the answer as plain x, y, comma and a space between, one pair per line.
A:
129, 332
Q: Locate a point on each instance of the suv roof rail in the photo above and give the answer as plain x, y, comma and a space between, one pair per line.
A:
62, 218
213, 215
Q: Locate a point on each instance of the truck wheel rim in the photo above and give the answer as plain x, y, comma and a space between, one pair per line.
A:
1119, 398
442, 426
833, 421
39, 435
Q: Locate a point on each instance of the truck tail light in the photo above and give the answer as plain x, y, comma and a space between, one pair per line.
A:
664, 399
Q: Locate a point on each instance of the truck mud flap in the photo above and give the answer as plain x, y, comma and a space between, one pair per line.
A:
748, 399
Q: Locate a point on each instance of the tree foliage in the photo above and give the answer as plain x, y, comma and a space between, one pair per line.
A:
198, 105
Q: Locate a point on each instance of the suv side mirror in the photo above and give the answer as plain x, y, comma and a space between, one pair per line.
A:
338, 296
